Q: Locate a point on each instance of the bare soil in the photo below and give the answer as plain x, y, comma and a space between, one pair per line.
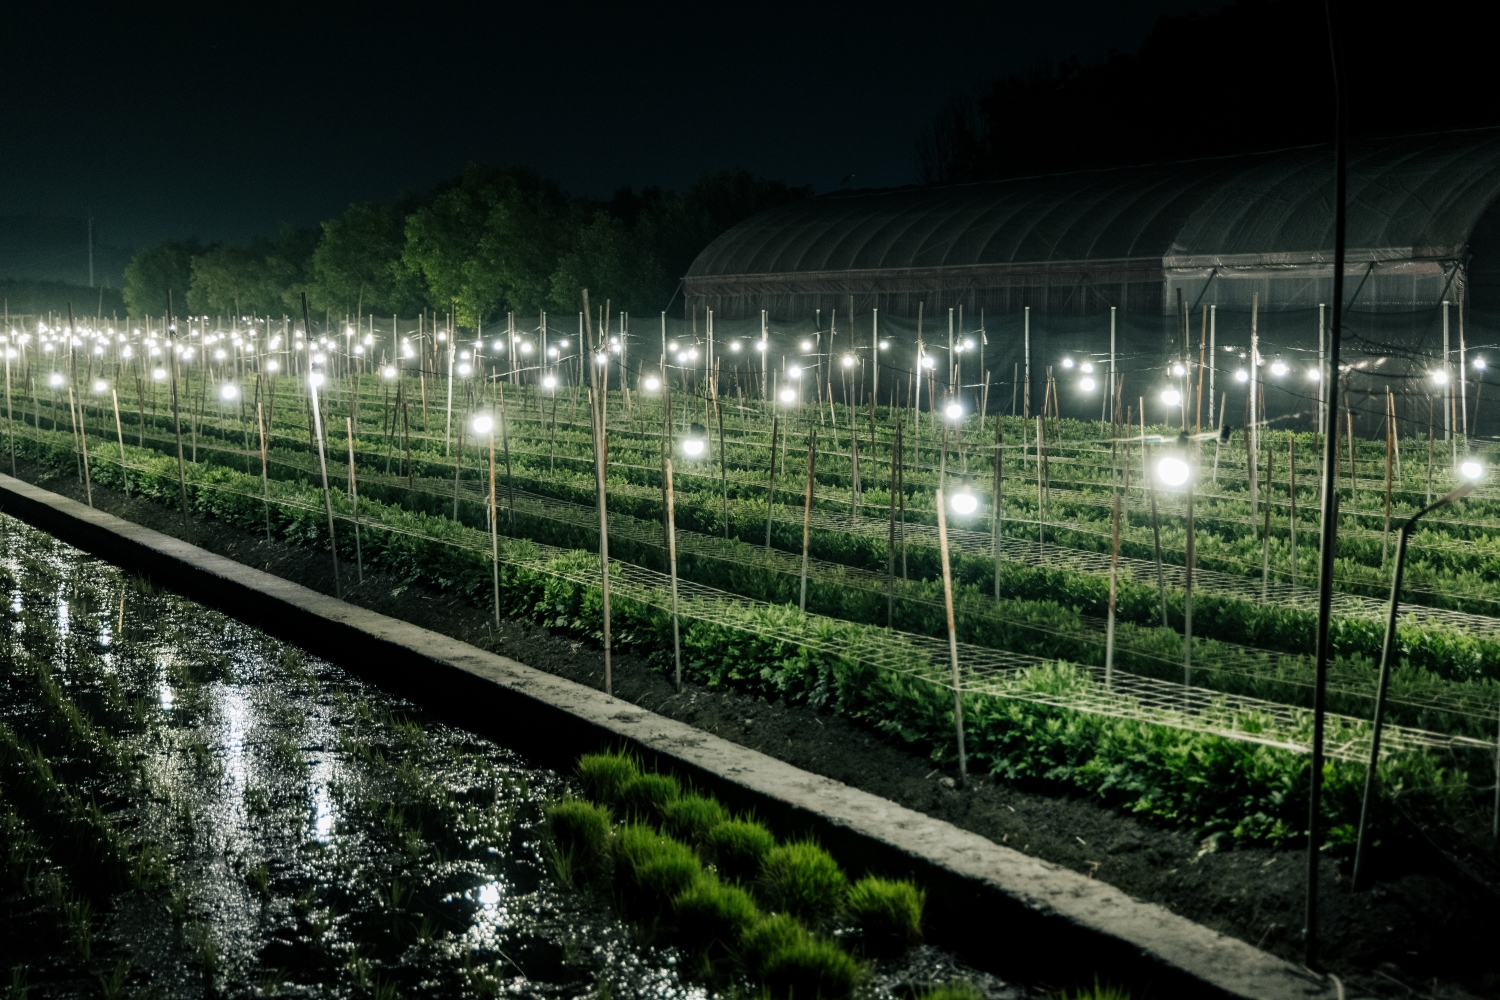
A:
1425, 931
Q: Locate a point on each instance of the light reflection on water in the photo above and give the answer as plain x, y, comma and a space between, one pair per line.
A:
272, 782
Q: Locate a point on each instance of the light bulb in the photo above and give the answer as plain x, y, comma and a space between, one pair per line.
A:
1087, 385
652, 384
1278, 368
692, 447
1314, 375
1171, 397
1440, 377
788, 396
464, 369
1471, 469
885, 345
1178, 370
56, 379
1173, 471
734, 345
315, 379
100, 385
1242, 376
953, 411
964, 503
806, 345
229, 391
389, 371
483, 424
549, 382
1087, 368
928, 361
1067, 362
159, 374
761, 345
848, 361
1479, 364
794, 371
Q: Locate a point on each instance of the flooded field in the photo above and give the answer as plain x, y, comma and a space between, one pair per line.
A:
189, 807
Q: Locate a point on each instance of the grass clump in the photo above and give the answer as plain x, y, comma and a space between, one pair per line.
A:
810, 968
802, 879
767, 936
646, 797
580, 836
692, 817
959, 989
712, 917
652, 870
604, 774
737, 847
888, 911
1096, 992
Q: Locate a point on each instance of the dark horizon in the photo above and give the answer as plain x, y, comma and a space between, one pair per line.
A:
212, 125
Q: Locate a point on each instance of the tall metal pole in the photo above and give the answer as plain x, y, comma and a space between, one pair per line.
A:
1328, 546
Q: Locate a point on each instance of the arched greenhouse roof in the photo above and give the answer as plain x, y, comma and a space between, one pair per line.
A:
1409, 197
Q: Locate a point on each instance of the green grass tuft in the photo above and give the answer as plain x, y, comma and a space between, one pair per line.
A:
580, 833
1096, 992
645, 798
652, 870
766, 936
959, 989
736, 849
810, 968
888, 911
604, 774
691, 818
712, 917
802, 879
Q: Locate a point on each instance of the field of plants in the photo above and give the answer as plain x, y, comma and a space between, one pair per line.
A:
803, 556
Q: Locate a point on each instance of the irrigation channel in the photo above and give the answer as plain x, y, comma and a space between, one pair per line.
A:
1154, 625
191, 807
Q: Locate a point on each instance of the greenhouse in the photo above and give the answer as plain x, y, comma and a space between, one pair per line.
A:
1168, 257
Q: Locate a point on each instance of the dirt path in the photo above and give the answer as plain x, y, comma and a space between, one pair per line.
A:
1389, 941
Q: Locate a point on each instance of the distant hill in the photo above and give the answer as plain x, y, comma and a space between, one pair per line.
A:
56, 248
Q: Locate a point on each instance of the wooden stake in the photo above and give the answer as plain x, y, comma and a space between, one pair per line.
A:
997, 517
1265, 547
265, 481
119, 433
958, 704
771, 484
812, 460
1161, 580
672, 564
359, 556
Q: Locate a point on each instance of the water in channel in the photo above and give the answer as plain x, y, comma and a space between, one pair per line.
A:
189, 807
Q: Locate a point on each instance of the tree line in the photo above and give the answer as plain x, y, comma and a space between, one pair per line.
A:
492, 240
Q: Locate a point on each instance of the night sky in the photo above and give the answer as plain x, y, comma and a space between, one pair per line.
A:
223, 121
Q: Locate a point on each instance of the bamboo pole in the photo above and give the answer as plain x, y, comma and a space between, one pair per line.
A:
1161, 580
890, 547
359, 556
723, 460
171, 361
672, 567
83, 442
495, 520
997, 516
771, 484
1114, 567
1390, 422
312, 380
597, 415
812, 460
510, 493
1265, 546
958, 704
1291, 464
265, 481
119, 433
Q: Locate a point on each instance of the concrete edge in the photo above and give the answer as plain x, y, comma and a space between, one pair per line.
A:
999, 908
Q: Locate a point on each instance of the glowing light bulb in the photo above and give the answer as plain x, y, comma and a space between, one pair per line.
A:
483, 424
389, 371
1087, 385
1171, 397
793, 371
1172, 471
1087, 368
100, 385
1067, 362
928, 361
1440, 377
159, 374
1471, 469
806, 345
848, 361
315, 379
692, 447
1479, 364
964, 503
885, 345
1242, 376
734, 345
549, 382
1278, 368
229, 391
953, 411
1314, 375
788, 396
652, 384
56, 379
464, 369
1178, 370
761, 345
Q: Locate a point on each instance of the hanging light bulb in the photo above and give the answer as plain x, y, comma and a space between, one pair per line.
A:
159, 374
953, 411
1067, 362
1278, 368
1179, 370
100, 385
548, 382
964, 502
315, 379
56, 379
229, 391
389, 371
806, 346
1172, 470
1086, 384
695, 442
1242, 376
1440, 377
1471, 469
1087, 368
1171, 397
483, 424
653, 383
788, 396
